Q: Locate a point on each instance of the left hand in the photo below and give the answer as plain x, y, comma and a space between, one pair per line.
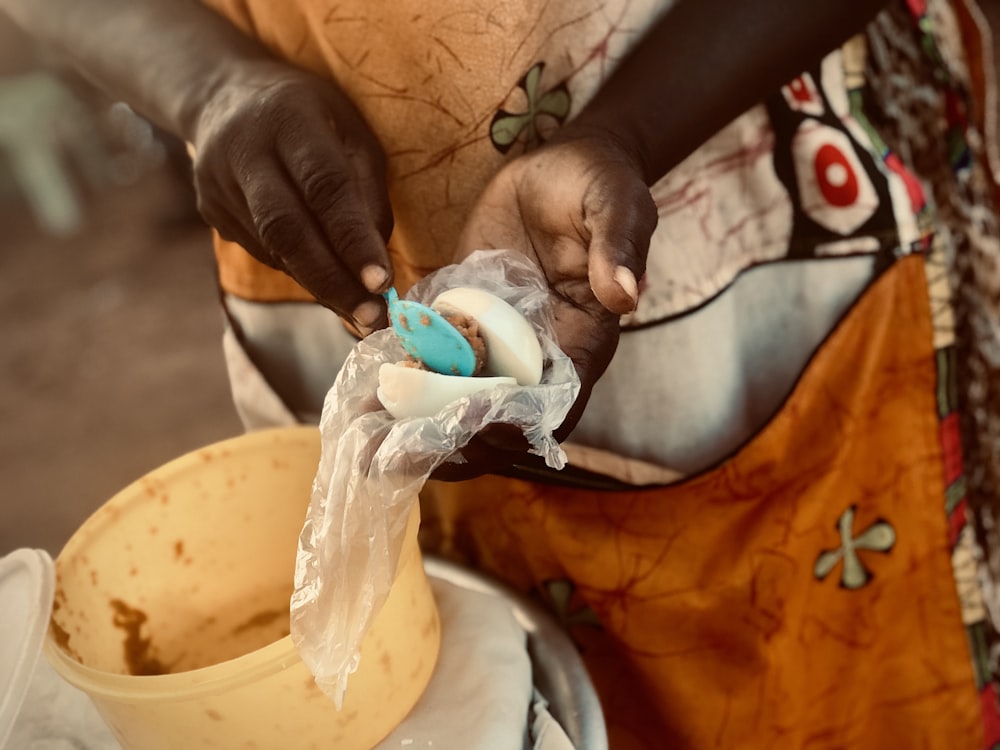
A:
580, 209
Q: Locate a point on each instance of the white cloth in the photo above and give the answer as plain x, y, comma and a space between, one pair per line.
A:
481, 693
57, 716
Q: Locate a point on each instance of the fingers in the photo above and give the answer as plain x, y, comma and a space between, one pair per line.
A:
589, 338
224, 208
312, 226
621, 219
286, 228
347, 204
486, 455
287, 168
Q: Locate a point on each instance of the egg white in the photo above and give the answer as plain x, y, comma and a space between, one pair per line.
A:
512, 348
412, 392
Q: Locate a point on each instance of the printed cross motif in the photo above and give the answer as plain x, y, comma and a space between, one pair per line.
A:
507, 127
879, 537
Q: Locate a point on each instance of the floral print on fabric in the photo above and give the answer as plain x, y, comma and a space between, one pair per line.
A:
879, 537
529, 125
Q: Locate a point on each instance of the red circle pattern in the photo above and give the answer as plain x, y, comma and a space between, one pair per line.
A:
836, 195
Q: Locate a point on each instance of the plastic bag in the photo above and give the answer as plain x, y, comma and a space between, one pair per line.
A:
372, 466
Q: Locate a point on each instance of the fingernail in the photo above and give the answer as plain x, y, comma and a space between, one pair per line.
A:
626, 280
367, 314
373, 277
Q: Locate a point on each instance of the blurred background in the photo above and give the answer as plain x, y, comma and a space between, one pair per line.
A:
110, 331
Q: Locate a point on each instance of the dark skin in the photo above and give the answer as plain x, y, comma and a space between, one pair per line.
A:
314, 207
286, 166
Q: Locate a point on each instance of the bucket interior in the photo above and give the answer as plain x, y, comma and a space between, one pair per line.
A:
193, 564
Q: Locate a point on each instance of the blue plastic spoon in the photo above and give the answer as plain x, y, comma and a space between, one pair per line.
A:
429, 338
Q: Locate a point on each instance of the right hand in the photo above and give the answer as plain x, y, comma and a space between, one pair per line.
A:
578, 207
285, 166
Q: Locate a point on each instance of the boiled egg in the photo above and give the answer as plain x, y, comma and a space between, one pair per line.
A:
512, 348
407, 391
513, 357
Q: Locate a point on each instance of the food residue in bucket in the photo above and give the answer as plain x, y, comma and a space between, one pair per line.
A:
260, 620
138, 650
61, 637
59, 633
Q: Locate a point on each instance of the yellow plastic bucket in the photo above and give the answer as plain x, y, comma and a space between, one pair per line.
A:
171, 610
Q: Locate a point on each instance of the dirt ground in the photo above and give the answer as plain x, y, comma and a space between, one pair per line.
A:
110, 354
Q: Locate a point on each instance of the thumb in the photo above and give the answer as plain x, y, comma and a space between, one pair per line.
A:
620, 228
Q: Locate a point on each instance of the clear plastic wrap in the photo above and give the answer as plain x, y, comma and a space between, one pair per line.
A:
372, 466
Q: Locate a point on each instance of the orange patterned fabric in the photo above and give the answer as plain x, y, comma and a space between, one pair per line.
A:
245, 276
799, 595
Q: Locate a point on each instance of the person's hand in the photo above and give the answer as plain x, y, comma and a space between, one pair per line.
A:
581, 210
285, 165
